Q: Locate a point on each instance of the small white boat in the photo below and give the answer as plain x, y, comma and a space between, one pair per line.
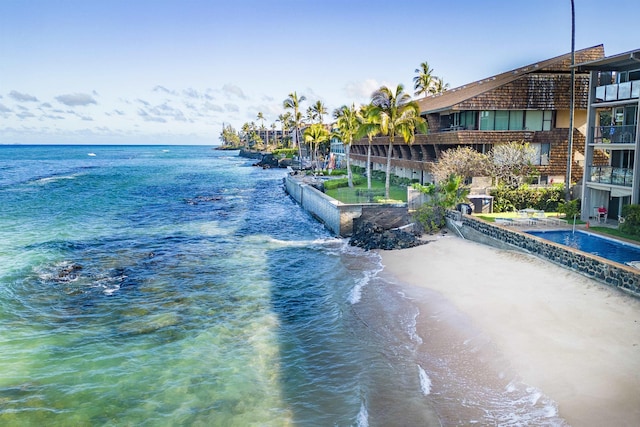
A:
91, 154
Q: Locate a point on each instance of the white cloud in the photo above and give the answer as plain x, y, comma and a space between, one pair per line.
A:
231, 108
25, 115
76, 99
160, 88
149, 118
361, 91
4, 109
213, 107
230, 89
22, 97
191, 93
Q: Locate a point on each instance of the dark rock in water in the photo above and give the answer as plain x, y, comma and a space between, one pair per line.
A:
69, 272
250, 154
268, 161
202, 199
368, 235
285, 163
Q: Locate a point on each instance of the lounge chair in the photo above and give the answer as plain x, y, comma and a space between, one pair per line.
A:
504, 221
523, 219
540, 218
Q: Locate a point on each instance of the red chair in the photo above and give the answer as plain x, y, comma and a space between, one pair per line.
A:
602, 213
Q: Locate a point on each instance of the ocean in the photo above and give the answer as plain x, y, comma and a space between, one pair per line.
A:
180, 285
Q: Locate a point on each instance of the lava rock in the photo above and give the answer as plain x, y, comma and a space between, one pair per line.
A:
368, 235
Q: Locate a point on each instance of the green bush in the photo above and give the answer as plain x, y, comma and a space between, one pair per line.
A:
286, 152
358, 169
509, 199
631, 224
332, 184
430, 218
570, 209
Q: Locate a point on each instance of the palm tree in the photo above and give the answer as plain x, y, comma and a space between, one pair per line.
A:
245, 131
284, 120
347, 126
424, 81
261, 118
293, 103
310, 115
399, 116
273, 132
369, 126
319, 110
439, 86
315, 134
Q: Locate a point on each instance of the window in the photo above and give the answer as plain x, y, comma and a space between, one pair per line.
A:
487, 120
468, 119
516, 120
547, 120
533, 120
540, 154
502, 120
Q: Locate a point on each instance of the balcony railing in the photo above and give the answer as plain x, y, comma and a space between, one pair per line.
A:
611, 175
618, 91
614, 134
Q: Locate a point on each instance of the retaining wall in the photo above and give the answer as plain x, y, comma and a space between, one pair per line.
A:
336, 216
609, 272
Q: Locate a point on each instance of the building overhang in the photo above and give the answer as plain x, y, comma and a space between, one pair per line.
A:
614, 190
621, 62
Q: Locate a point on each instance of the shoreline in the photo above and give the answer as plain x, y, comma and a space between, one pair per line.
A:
572, 338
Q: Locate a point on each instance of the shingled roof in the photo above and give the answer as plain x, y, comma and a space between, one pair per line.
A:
560, 64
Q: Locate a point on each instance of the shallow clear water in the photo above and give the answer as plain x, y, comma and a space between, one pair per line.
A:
182, 286
593, 244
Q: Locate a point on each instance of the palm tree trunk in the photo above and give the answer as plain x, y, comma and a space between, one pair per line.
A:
387, 181
369, 166
347, 150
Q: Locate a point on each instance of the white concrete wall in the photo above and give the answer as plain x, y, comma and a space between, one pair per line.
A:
336, 216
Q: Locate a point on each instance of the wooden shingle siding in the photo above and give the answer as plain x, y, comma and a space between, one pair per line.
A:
531, 92
545, 85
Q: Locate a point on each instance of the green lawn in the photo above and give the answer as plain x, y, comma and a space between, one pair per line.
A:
614, 232
348, 195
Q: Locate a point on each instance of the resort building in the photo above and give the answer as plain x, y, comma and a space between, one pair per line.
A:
528, 104
612, 156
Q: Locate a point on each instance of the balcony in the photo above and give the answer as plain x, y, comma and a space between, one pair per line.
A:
611, 175
618, 91
614, 134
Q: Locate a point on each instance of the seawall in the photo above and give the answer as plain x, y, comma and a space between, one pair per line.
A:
336, 216
606, 271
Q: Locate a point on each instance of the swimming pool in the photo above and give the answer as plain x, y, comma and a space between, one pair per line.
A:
587, 242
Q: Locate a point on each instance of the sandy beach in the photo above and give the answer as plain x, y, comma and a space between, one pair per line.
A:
574, 339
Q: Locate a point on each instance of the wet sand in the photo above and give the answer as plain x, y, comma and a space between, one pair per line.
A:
576, 340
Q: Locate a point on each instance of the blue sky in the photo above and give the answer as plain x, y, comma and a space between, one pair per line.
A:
171, 72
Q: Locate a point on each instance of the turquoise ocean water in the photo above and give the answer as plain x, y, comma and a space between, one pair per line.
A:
162, 286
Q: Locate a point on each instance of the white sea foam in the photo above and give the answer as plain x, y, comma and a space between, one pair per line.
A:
356, 292
425, 381
412, 328
50, 179
363, 416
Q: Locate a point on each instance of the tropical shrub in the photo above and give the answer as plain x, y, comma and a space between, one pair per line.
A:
286, 152
430, 218
343, 182
570, 209
631, 224
508, 198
